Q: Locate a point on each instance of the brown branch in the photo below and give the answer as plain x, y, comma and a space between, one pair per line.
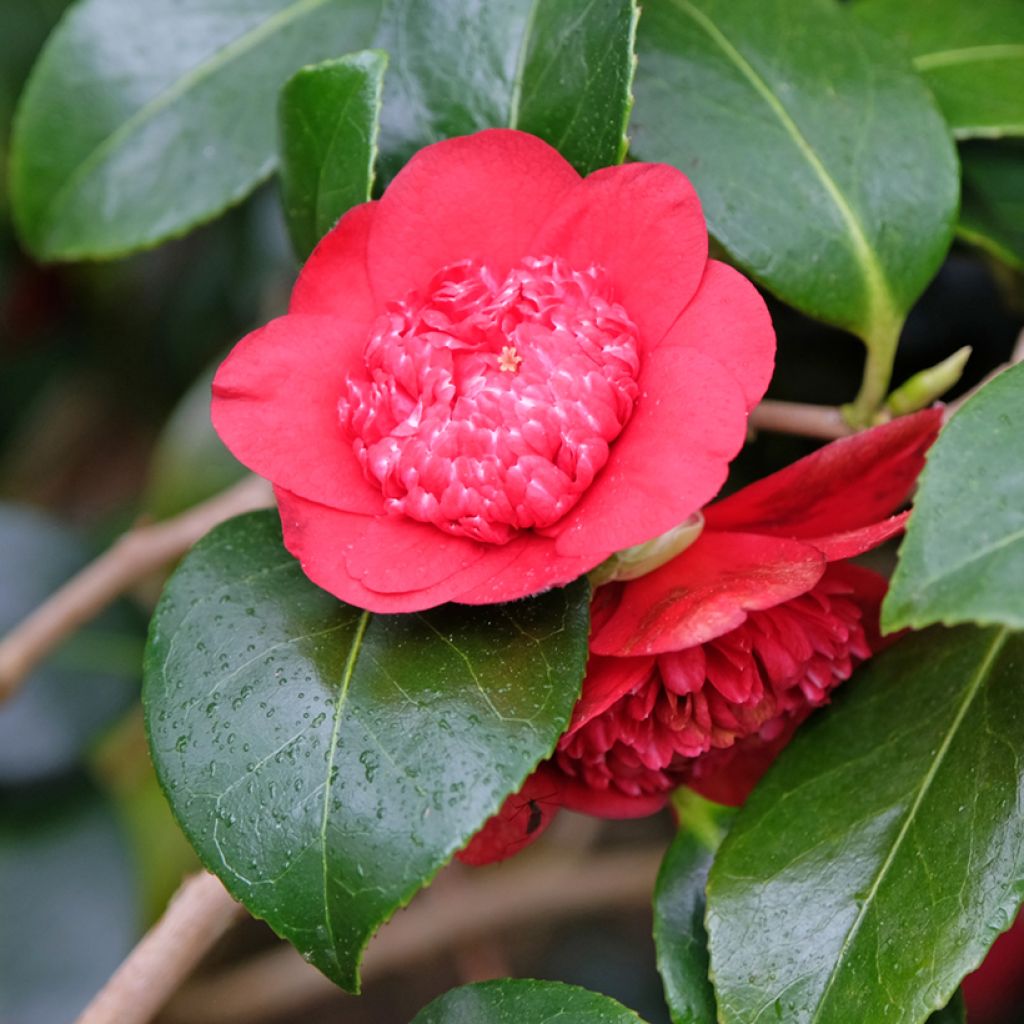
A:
131, 558
200, 913
493, 900
822, 421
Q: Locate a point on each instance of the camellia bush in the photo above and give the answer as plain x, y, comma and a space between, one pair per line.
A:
522, 533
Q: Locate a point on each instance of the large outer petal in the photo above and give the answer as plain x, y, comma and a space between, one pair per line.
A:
275, 405
609, 803
843, 486
522, 818
334, 281
643, 224
672, 457
729, 321
728, 775
707, 591
398, 565
481, 196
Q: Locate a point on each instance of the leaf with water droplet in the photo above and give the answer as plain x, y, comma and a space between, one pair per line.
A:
865, 884
364, 791
524, 1001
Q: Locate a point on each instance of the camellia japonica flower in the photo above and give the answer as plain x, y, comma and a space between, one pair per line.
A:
496, 376
701, 670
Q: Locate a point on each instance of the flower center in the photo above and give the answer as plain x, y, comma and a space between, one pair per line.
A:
488, 406
781, 662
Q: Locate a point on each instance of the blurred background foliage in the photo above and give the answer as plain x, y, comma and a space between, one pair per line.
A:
104, 419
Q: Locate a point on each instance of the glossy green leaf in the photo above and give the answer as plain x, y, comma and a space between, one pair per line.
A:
46, 727
679, 934
143, 119
970, 54
992, 210
561, 69
325, 762
962, 559
883, 852
329, 115
68, 895
523, 1001
823, 165
189, 462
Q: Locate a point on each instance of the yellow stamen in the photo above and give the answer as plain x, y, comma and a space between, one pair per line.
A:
509, 360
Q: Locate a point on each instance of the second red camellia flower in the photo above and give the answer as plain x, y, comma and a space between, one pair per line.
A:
701, 670
497, 376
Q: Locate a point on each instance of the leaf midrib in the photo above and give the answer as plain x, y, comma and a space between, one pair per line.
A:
346, 679
969, 55
218, 60
880, 300
998, 640
516, 97
375, 75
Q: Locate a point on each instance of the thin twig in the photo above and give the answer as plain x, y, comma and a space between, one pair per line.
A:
494, 900
131, 558
200, 913
821, 421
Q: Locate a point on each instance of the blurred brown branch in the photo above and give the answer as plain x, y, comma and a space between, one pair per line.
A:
482, 902
822, 421
141, 551
195, 919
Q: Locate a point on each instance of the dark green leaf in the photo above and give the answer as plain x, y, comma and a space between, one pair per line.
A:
68, 896
679, 934
577, 78
329, 116
189, 463
971, 55
561, 69
325, 762
521, 1001
884, 851
962, 559
58, 711
992, 210
823, 165
144, 119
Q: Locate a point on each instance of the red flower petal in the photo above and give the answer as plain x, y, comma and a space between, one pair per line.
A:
481, 196
275, 405
672, 457
334, 281
728, 775
856, 542
609, 803
729, 322
643, 224
397, 565
706, 591
845, 485
994, 993
607, 680
521, 819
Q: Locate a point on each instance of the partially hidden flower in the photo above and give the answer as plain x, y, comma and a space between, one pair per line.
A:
994, 993
701, 671
496, 376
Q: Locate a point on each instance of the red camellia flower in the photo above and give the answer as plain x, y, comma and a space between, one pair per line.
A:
496, 376
701, 670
